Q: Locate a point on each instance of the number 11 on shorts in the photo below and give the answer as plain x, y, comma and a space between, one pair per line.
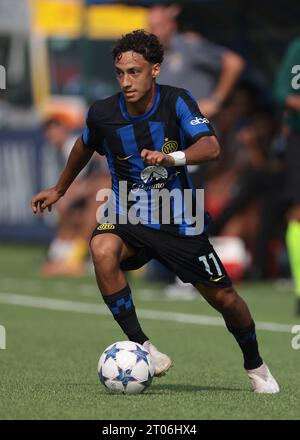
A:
206, 263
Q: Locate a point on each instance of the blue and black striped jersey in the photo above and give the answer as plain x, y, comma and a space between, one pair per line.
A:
173, 123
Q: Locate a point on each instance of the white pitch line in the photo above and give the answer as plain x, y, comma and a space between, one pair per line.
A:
98, 309
83, 289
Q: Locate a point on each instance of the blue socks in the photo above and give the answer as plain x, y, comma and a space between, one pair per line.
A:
246, 338
121, 305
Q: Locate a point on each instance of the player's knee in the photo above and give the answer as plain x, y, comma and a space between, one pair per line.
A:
103, 255
227, 299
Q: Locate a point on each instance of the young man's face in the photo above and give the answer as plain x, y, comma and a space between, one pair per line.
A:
135, 75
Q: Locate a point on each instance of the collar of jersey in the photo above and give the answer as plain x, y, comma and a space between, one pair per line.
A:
128, 117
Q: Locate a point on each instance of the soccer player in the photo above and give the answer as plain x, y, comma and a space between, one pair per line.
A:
287, 92
135, 130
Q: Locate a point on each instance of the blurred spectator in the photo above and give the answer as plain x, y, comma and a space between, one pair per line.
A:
206, 69
76, 211
239, 109
255, 211
15, 116
287, 92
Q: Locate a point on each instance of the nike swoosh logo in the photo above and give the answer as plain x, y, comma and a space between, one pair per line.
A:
125, 158
215, 280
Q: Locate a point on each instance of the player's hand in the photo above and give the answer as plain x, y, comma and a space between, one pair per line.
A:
44, 200
157, 158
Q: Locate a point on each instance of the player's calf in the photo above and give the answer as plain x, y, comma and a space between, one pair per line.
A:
226, 301
240, 323
107, 252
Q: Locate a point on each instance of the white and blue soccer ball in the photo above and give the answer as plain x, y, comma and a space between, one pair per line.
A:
126, 367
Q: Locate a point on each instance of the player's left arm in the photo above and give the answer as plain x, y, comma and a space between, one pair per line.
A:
203, 150
201, 144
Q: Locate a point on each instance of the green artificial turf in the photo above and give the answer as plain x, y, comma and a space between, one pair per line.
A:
49, 368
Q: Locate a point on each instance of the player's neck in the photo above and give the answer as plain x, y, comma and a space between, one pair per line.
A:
143, 105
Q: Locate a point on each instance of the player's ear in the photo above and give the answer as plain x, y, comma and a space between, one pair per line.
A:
155, 70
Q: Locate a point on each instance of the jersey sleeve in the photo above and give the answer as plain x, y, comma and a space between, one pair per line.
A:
91, 136
191, 121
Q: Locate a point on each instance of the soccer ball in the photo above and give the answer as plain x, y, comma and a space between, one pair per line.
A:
126, 368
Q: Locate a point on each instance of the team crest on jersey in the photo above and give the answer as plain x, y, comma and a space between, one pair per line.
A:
169, 147
106, 226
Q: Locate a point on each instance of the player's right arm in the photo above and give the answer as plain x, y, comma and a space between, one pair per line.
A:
79, 157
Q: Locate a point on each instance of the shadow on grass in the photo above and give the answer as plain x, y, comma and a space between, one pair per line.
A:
189, 388
155, 388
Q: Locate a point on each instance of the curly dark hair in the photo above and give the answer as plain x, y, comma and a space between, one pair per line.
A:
142, 42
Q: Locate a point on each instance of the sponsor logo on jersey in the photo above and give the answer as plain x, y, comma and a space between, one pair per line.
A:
154, 177
169, 147
106, 226
154, 174
198, 120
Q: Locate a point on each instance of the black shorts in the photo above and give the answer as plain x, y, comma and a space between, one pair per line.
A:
191, 258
